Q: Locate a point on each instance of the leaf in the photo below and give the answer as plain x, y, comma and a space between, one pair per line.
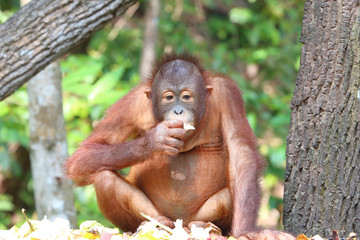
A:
240, 15
6, 203
252, 118
270, 181
277, 157
301, 237
78, 68
107, 83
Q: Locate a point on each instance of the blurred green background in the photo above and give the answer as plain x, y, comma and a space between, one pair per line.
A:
255, 42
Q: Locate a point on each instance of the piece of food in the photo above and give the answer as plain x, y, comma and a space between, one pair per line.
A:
188, 126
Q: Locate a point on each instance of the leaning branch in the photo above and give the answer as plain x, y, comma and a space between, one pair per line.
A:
44, 30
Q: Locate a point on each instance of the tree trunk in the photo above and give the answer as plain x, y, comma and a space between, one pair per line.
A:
322, 184
44, 30
150, 38
48, 148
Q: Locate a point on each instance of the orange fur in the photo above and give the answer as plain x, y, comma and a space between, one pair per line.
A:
218, 160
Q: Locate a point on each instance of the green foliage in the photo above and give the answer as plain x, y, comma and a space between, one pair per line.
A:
7, 8
89, 90
260, 36
240, 15
6, 205
14, 117
13, 129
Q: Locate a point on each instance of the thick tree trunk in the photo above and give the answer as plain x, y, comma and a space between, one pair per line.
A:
44, 30
322, 184
48, 147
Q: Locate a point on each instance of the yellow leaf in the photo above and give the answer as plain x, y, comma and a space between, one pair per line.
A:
301, 237
146, 236
89, 235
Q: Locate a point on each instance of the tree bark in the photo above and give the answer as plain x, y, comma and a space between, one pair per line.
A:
41, 156
322, 184
48, 147
44, 30
148, 55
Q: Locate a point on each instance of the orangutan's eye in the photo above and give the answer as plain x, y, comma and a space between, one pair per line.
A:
186, 97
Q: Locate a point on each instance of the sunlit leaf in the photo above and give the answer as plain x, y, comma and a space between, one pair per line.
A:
106, 84
240, 15
277, 157
6, 203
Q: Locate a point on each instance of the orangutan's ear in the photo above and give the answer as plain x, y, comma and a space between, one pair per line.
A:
148, 93
209, 90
